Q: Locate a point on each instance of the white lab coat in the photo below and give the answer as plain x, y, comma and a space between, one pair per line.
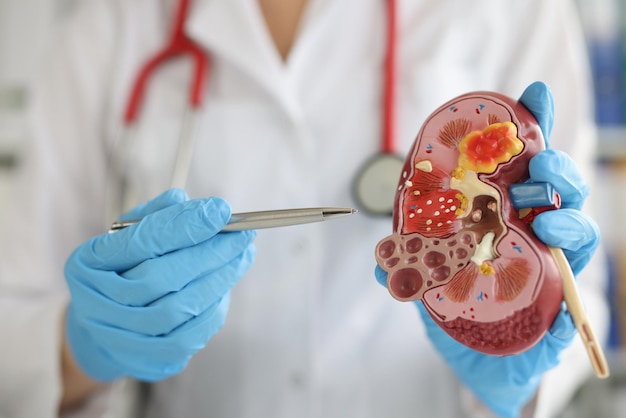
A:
309, 333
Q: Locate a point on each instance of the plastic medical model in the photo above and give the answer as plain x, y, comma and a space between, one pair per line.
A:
459, 243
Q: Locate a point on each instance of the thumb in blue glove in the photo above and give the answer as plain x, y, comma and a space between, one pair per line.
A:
538, 99
145, 299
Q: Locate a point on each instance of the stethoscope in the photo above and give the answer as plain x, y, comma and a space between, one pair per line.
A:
374, 185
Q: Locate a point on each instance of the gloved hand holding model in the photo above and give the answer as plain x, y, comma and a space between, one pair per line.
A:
148, 297
506, 384
568, 228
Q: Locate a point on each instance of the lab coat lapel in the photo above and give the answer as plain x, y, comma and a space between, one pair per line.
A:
234, 30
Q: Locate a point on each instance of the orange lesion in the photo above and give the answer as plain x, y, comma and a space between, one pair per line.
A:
482, 151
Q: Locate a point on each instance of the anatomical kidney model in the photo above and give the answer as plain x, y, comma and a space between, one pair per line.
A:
458, 244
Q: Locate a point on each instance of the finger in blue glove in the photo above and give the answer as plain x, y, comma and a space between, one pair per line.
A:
538, 98
558, 168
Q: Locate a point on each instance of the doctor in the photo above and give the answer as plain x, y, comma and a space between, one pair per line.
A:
293, 111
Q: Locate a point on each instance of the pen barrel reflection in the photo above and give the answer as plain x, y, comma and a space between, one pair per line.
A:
285, 217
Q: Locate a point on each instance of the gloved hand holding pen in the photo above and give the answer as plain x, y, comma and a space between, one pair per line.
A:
506, 384
145, 299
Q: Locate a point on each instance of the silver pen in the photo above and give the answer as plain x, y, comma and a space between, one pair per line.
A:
268, 218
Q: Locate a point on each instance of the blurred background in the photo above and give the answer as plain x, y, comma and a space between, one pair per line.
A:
24, 25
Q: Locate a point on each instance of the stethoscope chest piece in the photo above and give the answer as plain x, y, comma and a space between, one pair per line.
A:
375, 184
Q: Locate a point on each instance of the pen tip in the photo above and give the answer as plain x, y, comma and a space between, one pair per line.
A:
355, 211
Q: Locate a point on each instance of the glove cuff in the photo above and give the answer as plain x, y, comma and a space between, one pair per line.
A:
87, 354
508, 402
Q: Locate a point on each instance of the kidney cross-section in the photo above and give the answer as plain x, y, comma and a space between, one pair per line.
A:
458, 245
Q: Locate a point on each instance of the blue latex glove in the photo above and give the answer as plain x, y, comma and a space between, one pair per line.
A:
147, 298
506, 384
567, 228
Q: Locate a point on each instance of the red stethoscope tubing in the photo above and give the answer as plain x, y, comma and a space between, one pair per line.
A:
388, 145
180, 44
